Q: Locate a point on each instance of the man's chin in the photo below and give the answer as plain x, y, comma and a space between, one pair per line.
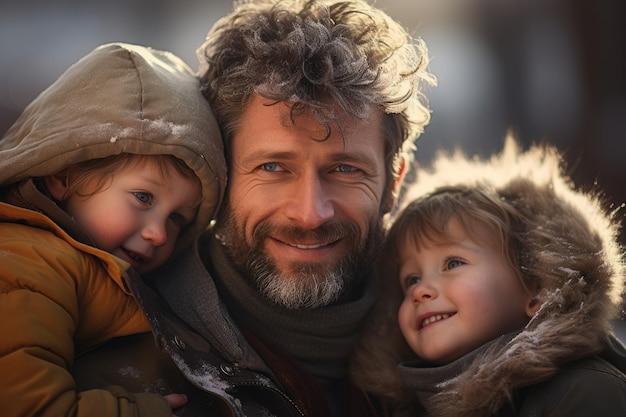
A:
303, 271
301, 290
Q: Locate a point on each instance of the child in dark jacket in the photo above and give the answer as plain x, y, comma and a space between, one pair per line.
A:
505, 280
109, 172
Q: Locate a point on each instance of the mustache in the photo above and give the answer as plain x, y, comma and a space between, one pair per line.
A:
326, 232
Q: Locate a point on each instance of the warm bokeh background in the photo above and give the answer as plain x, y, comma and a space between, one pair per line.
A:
551, 70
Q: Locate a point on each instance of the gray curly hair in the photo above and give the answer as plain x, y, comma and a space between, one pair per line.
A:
321, 56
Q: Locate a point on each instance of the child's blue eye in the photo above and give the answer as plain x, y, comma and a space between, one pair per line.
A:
412, 280
143, 197
453, 263
177, 219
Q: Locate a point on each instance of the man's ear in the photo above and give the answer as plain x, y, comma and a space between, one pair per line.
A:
391, 197
56, 185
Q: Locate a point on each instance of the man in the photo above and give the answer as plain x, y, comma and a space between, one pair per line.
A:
318, 102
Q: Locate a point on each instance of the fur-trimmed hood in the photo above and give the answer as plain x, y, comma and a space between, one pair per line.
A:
569, 247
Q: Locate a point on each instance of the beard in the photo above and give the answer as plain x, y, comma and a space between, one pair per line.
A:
306, 285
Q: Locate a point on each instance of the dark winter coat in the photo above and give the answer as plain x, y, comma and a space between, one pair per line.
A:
581, 388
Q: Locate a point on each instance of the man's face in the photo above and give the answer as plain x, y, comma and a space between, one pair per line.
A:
303, 216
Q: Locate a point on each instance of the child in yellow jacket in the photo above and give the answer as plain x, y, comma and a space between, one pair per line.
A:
109, 172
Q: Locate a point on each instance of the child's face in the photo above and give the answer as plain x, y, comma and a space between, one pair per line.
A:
458, 296
139, 216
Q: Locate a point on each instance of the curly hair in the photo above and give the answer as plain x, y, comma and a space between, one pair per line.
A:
324, 57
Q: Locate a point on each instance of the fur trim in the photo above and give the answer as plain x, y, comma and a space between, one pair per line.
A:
569, 249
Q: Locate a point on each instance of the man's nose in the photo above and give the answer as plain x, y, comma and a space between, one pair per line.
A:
311, 201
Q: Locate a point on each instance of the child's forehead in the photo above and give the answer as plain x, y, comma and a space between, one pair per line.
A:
450, 232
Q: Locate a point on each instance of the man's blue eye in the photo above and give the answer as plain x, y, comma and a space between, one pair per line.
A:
270, 166
346, 168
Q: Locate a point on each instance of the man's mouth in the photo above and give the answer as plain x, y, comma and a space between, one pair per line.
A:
327, 235
313, 246
295, 245
290, 251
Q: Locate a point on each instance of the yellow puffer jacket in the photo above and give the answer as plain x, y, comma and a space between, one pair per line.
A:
54, 289
60, 297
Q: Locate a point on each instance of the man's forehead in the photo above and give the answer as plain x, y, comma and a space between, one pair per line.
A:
319, 123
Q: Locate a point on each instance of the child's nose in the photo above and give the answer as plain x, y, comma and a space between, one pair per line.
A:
424, 291
155, 233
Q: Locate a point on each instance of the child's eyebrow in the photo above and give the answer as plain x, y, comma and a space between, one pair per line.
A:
156, 180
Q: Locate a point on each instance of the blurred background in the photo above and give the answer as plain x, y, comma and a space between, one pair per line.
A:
550, 70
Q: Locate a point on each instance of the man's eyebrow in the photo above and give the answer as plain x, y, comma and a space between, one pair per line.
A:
356, 156
343, 156
267, 155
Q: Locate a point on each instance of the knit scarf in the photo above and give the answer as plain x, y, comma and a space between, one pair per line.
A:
320, 339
